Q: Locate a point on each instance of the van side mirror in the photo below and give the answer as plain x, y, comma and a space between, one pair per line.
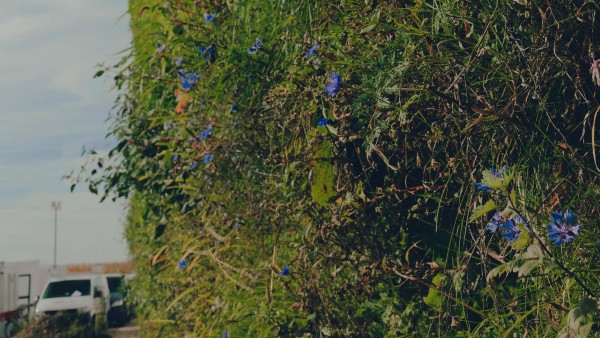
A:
97, 294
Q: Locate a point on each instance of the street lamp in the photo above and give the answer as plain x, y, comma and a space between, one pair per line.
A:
56, 207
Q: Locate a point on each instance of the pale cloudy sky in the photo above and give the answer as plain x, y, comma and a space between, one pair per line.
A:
50, 107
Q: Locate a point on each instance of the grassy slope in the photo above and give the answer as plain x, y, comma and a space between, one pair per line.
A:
429, 98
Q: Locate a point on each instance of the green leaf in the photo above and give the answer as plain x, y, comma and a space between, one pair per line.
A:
434, 297
323, 187
326, 331
483, 209
98, 73
529, 260
507, 176
523, 240
503, 269
580, 318
513, 197
489, 180
523, 264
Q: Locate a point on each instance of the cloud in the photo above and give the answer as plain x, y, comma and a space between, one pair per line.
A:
51, 108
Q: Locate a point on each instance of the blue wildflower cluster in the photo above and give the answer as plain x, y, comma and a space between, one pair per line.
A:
258, 45
207, 52
193, 165
322, 122
208, 18
507, 226
334, 84
188, 79
182, 264
285, 271
312, 50
207, 158
203, 135
562, 228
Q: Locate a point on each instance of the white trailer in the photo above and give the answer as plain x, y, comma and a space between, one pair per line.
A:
20, 285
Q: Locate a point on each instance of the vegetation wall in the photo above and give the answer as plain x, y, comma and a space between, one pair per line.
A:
301, 168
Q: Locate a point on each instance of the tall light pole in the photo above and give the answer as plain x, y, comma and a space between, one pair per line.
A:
56, 207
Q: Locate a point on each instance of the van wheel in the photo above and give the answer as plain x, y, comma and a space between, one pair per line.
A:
10, 329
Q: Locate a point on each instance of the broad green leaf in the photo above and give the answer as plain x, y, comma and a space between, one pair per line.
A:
507, 176
489, 180
434, 297
523, 264
523, 240
326, 331
483, 209
529, 260
580, 318
323, 187
513, 197
503, 269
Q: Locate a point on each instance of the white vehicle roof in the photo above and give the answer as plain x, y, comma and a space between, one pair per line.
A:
73, 277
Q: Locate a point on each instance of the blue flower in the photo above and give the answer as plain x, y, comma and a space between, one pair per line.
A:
312, 50
193, 165
495, 173
323, 121
225, 334
182, 264
233, 108
178, 61
255, 47
495, 222
334, 84
175, 158
188, 80
285, 271
207, 158
208, 17
562, 228
204, 134
207, 52
510, 231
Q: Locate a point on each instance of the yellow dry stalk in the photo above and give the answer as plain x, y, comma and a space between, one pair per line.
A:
222, 264
238, 283
213, 233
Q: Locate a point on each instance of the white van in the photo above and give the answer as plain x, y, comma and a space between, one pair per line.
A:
84, 296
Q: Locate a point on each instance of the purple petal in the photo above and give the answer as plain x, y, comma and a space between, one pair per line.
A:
570, 217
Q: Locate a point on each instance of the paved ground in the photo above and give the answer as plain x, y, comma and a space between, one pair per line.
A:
124, 332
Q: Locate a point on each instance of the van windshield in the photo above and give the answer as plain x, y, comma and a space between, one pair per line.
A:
68, 288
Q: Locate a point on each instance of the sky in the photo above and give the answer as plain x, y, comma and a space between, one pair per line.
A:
50, 108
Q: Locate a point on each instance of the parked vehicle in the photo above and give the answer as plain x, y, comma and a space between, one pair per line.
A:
86, 297
117, 314
19, 287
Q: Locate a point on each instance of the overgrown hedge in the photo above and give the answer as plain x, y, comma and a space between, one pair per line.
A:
271, 198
